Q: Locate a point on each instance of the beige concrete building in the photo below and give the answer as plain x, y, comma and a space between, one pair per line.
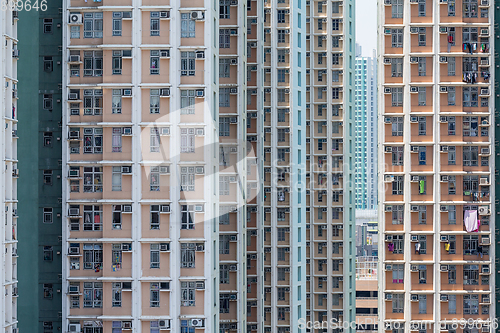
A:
436, 117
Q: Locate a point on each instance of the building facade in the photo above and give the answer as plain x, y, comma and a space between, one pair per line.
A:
8, 151
40, 160
366, 132
436, 164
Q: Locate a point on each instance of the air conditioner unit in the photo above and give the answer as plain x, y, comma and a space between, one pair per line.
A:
388, 238
443, 268
484, 32
415, 178
127, 92
387, 61
165, 92
414, 298
414, 149
74, 58
165, 209
444, 298
388, 149
444, 178
413, 119
388, 178
413, 30
484, 181
74, 173
387, 120
127, 208
164, 324
233, 91
387, 31
126, 169
485, 151
126, 325
414, 268
444, 208
74, 289
413, 89
485, 269
74, 250
413, 238
200, 92
72, 96
200, 54
74, 328
127, 247
127, 131
164, 14
443, 59
197, 323
74, 211
443, 30
485, 240
484, 210
75, 18
197, 15
388, 296
164, 53
388, 208
414, 60
485, 92
444, 238
443, 89
414, 208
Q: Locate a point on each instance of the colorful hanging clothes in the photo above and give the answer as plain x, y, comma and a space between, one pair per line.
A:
422, 187
390, 247
447, 247
470, 220
417, 248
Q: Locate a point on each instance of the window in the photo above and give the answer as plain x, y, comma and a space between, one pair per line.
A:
397, 37
187, 101
422, 68
154, 101
470, 244
471, 301
422, 37
470, 126
188, 255
421, 7
223, 185
48, 290
116, 178
116, 101
224, 9
92, 102
397, 214
117, 62
451, 66
398, 303
224, 242
422, 240
452, 185
117, 216
422, 214
92, 256
116, 256
154, 255
452, 274
422, 126
48, 64
187, 140
470, 97
92, 25
452, 215
397, 126
397, 8
154, 217
92, 294
397, 96
92, 179
188, 63
397, 185
154, 140
48, 253
224, 38
47, 26
224, 66
154, 294
398, 273
116, 292
92, 63
154, 179
47, 177
92, 218
335, 24
224, 126
154, 62
224, 274
452, 101
117, 23
281, 36
187, 217
223, 303
422, 304
188, 26
281, 16
281, 75
116, 141
155, 23
470, 155
188, 291
335, 93
452, 304
397, 67
397, 155
224, 97
187, 178
451, 7
470, 10
47, 139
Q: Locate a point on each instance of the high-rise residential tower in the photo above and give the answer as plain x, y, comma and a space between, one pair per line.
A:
436, 164
8, 153
40, 192
366, 132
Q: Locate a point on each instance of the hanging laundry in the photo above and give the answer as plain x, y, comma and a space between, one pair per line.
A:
417, 247
390, 247
422, 187
447, 247
470, 220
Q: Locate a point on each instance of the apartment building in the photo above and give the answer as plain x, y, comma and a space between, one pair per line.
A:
366, 132
436, 164
39, 151
8, 153
497, 161
154, 97
330, 142
366, 294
